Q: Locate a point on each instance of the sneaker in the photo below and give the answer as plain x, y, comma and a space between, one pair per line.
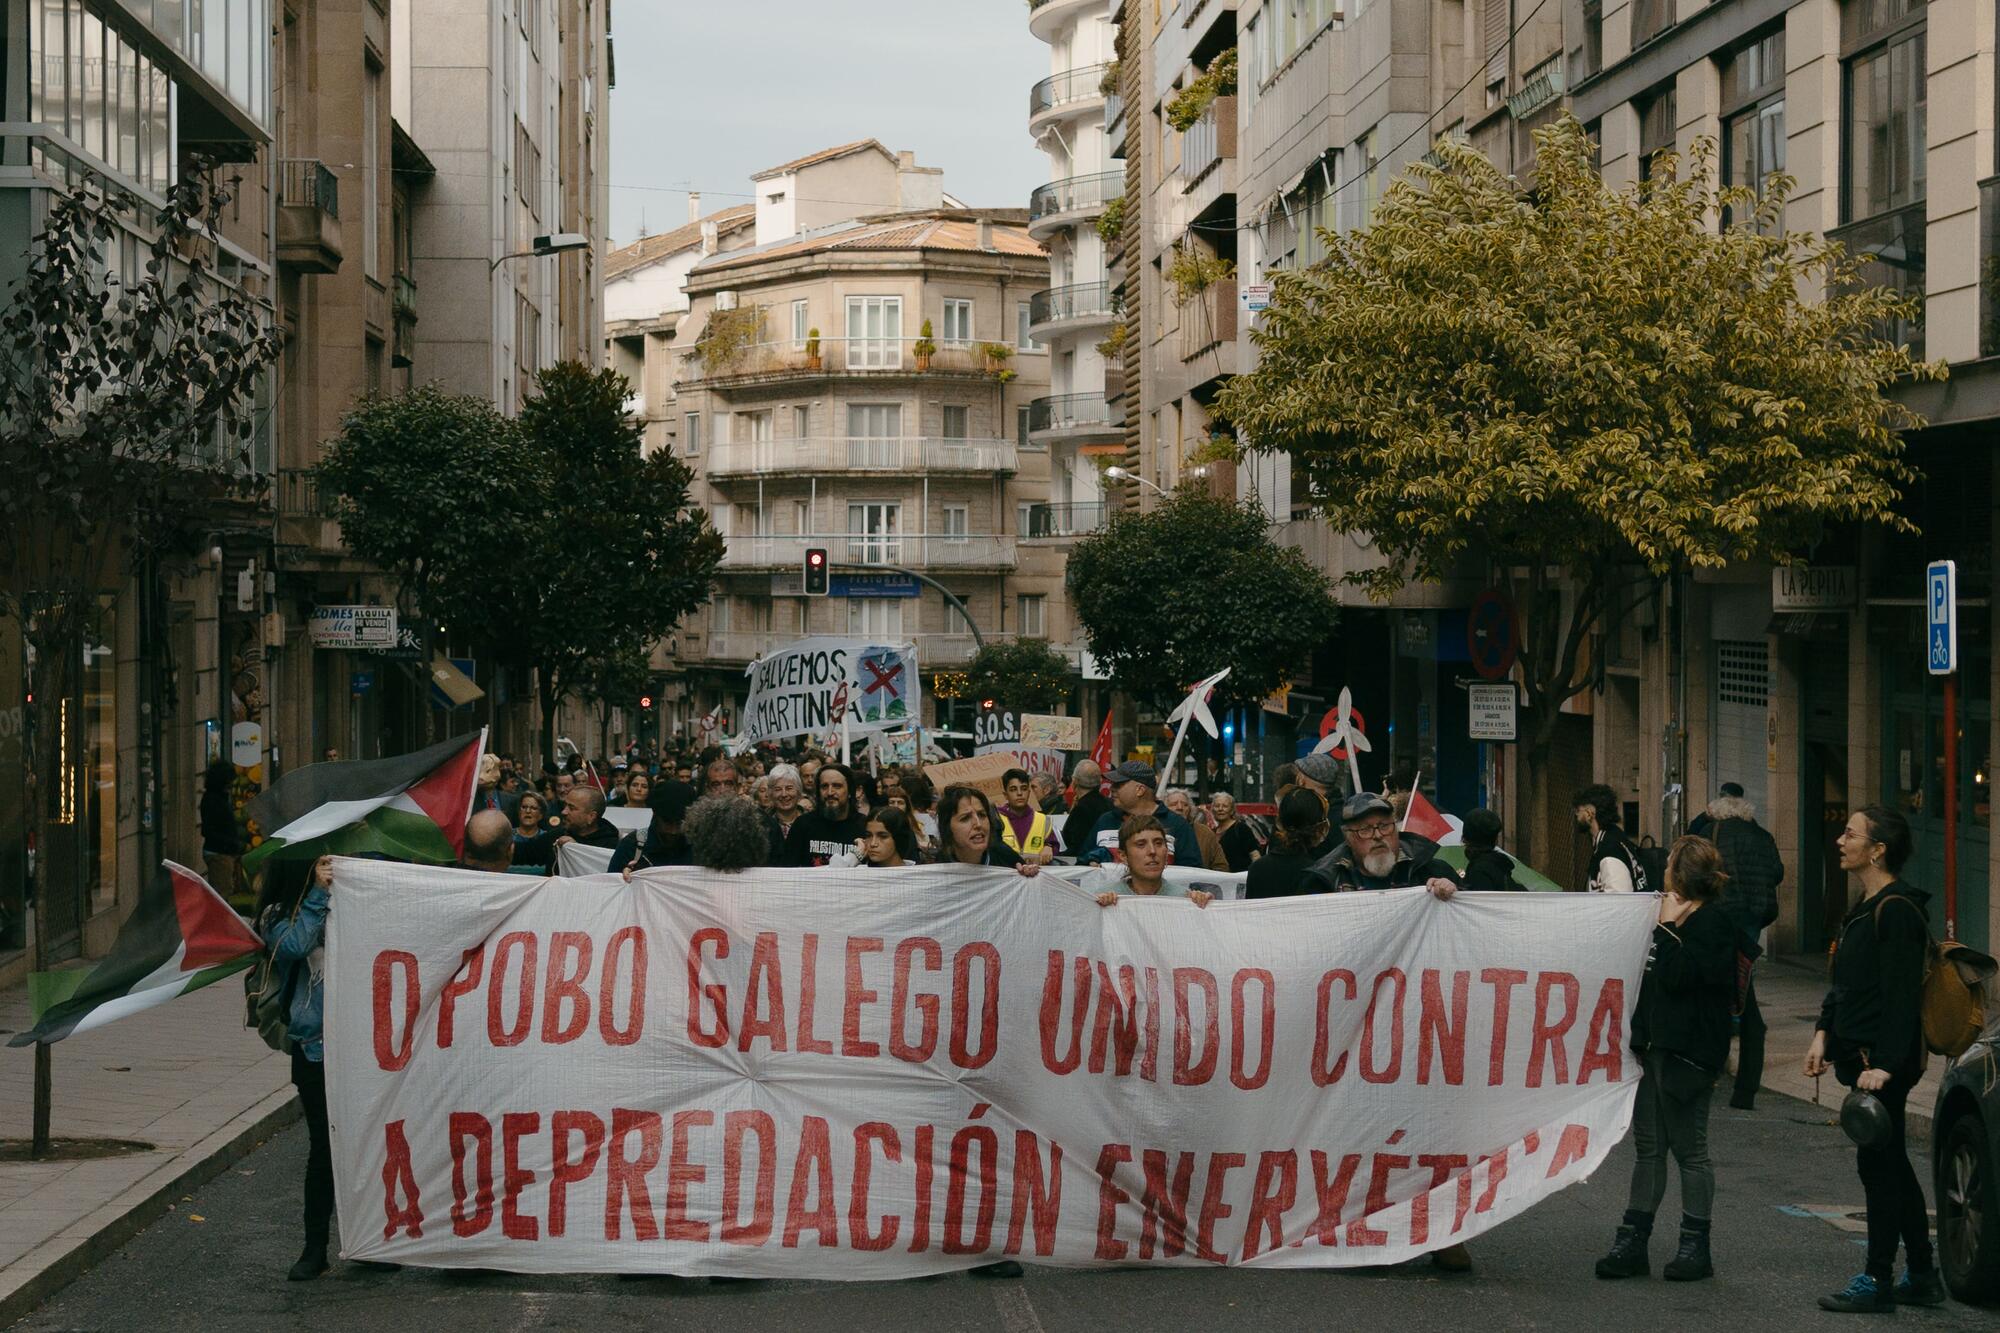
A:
1920, 1288
1864, 1295
1002, 1268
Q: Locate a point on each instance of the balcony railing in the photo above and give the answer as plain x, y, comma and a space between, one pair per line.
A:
933, 650
300, 496
305, 182
862, 453
1210, 141
1208, 319
1073, 412
308, 216
1078, 194
404, 297
924, 551
843, 357
1053, 522
1893, 246
1076, 85
1084, 301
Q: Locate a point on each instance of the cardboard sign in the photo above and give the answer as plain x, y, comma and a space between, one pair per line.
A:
1045, 731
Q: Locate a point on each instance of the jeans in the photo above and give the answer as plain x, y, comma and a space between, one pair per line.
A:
1896, 1209
309, 1077
1750, 1048
1663, 1124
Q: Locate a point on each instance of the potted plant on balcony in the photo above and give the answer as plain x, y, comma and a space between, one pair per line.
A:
996, 356
812, 349
923, 348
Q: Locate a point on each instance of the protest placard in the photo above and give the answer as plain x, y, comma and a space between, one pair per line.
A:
1046, 731
859, 1074
804, 688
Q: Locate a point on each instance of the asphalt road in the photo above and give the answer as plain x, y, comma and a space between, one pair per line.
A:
218, 1261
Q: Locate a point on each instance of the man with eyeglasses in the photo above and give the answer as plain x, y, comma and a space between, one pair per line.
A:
1373, 855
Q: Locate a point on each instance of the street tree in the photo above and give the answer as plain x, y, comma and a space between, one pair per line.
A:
128, 406
1024, 673
615, 678
1575, 385
626, 552
1173, 595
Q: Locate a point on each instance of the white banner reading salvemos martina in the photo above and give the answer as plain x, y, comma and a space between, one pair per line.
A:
879, 1073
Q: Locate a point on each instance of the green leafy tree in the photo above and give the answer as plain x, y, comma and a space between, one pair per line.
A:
1024, 673
627, 553
1196, 585
128, 402
1579, 386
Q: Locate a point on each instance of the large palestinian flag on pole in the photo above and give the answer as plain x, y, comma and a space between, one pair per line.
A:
409, 808
181, 937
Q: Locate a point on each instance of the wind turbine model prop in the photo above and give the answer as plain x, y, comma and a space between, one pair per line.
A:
1345, 737
1192, 708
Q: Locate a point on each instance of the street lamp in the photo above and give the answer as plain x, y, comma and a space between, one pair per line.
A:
1126, 474
554, 244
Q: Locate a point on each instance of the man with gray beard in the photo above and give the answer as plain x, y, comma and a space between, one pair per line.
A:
1373, 855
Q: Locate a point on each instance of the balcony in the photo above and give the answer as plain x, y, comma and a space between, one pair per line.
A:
299, 495
1209, 142
845, 455
308, 216
1065, 203
1073, 94
839, 359
403, 305
1893, 246
928, 551
1073, 309
1065, 522
1074, 417
1208, 322
1046, 18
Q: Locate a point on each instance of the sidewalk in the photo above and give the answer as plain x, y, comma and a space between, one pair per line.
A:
1789, 993
186, 1077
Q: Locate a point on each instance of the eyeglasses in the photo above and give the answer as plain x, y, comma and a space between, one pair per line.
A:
1379, 829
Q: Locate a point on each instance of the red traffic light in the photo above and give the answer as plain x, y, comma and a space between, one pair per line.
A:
815, 558
816, 571
645, 701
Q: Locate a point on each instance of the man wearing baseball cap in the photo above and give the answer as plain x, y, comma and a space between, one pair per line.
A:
1373, 855
1135, 791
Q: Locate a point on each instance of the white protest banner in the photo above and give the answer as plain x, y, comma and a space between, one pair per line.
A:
800, 689
807, 1073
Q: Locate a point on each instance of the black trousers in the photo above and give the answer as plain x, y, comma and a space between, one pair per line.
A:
1750, 1047
309, 1077
1896, 1209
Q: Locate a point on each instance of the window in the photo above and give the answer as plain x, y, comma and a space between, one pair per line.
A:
801, 325
957, 522
1656, 129
1023, 423
1034, 617
371, 172
1589, 57
1885, 73
691, 434
1024, 519
527, 347
874, 435
874, 532
1753, 114
802, 517
1650, 18
753, 427
874, 332
957, 323
801, 422
1366, 153
876, 617
956, 418
1022, 342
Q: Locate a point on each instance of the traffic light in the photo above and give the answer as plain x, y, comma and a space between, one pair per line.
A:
646, 701
816, 571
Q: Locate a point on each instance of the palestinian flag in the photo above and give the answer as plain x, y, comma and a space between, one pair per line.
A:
409, 808
181, 937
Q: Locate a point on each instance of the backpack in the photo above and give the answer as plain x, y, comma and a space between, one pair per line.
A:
1954, 1013
267, 998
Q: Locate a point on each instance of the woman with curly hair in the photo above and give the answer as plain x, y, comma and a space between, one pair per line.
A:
728, 833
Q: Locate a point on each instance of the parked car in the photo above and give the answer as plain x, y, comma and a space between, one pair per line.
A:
1965, 1160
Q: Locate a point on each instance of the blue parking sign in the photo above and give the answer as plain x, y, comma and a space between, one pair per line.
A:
1941, 615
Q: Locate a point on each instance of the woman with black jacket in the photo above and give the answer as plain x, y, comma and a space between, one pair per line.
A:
221, 839
1870, 1034
664, 843
1681, 1033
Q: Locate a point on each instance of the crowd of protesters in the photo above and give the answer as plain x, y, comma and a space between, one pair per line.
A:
803, 809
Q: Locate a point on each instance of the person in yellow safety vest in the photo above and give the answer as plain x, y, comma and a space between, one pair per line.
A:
1022, 827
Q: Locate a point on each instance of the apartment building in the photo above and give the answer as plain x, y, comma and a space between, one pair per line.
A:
819, 410
106, 94
1069, 117
1812, 691
509, 99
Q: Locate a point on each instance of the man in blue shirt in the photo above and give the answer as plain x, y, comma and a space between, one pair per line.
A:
1134, 791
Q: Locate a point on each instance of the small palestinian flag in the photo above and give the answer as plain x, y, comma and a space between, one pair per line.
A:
181, 937
409, 808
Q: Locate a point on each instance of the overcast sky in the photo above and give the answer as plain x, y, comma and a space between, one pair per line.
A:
708, 93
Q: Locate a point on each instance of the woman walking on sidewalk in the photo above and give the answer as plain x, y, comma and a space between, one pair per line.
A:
1871, 1035
292, 920
1681, 1033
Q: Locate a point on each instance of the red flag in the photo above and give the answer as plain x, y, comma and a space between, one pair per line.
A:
1100, 753
1422, 818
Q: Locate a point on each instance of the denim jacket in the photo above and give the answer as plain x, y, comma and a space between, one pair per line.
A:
298, 946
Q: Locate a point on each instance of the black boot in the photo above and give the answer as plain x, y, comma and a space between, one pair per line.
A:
1692, 1262
1628, 1251
310, 1265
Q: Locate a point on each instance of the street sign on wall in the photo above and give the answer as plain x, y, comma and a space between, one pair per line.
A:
1492, 707
352, 627
1941, 615
1812, 588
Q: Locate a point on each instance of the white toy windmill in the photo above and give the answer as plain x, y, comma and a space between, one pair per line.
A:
1192, 708
1345, 738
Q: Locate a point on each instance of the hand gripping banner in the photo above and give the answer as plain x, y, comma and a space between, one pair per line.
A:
878, 1073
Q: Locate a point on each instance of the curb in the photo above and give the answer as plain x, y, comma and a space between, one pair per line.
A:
61, 1261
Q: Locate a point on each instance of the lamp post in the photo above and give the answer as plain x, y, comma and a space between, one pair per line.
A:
1126, 474
554, 244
